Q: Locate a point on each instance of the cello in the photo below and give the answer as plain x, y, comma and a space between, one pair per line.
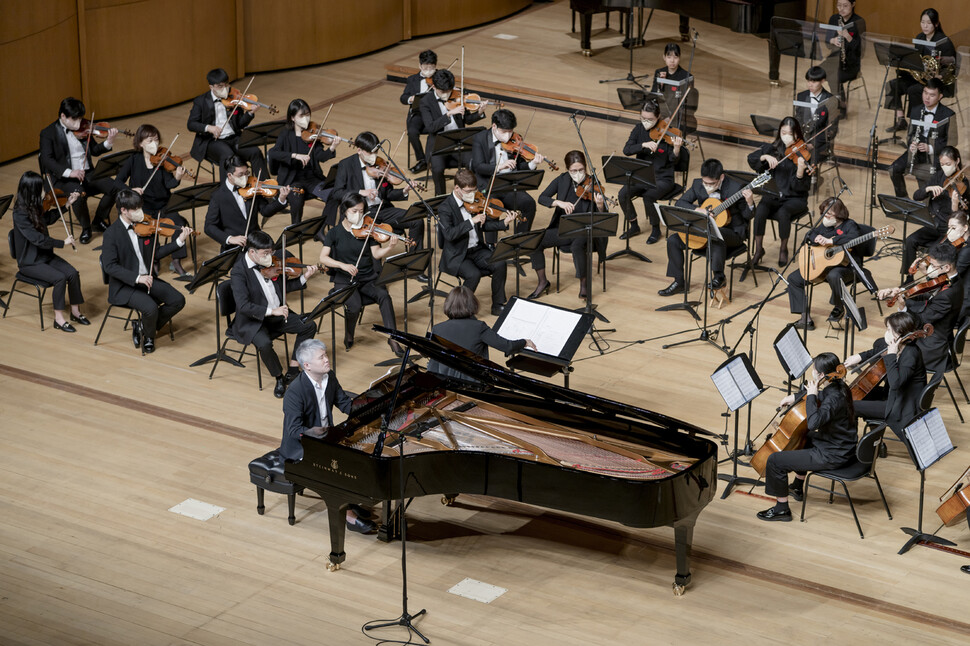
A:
956, 507
870, 376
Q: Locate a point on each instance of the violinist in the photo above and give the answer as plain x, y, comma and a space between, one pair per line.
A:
438, 117
462, 238
835, 227
292, 161
67, 159
830, 443
415, 88
713, 183
897, 401
215, 139
230, 217
942, 204
792, 178
663, 156
672, 71
844, 61
940, 307
489, 158
815, 119
126, 258
358, 259
135, 173
958, 234
563, 195
924, 142
261, 311
35, 250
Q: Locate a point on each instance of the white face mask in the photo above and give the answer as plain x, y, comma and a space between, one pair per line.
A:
239, 181
648, 123
788, 140
577, 175
948, 169
829, 221
303, 122
355, 217
263, 261
468, 198
711, 188
953, 235
443, 95
502, 136
427, 73
151, 147
369, 158
136, 216
221, 93
72, 124
933, 272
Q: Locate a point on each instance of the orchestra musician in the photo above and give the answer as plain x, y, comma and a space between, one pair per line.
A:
561, 195
897, 401
835, 227
230, 217
464, 253
829, 444
437, 117
155, 187
416, 86
816, 119
215, 139
957, 234
357, 259
67, 159
466, 331
942, 204
292, 161
844, 62
261, 311
923, 142
126, 258
663, 156
712, 184
672, 71
793, 181
35, 249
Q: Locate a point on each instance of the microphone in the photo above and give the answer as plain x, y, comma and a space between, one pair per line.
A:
845, 186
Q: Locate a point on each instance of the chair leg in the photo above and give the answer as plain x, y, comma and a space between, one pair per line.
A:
960, 383
805, 495
851, 506
260, 507
40, 306
103, 321
882, 495
946, 382
291, 505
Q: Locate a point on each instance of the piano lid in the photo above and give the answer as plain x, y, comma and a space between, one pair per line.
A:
494, 375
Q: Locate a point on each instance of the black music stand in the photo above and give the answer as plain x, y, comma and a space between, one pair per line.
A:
454, 142
403, 267
629, 172
633, 99
592, 226
906, 211
792, 353
855, 319
513, 246
261, 134
766, 126
192, 197
109, 165
769, 189
329, 304
738, 384
693, 225
212, 271
927, 442
516, 181
795, 38
418, 211
297, 234
902, 57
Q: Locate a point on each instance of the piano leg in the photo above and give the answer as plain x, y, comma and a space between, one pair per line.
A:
337, 517
683, 537
586, 33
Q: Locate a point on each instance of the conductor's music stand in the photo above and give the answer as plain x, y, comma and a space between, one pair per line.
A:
192, 197
591, 226
628, 172
212, 271
739, 384
329, 304
927, 442
297, 234
513, 246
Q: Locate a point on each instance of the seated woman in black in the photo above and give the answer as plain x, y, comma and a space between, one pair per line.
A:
835, 228
352, 259
155, 187
941, 205
958, 235
671, 71
466, 331
830, 442
897, 400
793, 182
35, 249
562, 195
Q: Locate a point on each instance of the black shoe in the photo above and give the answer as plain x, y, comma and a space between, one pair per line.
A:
654, 236
361, 512
783, 257
291, 374
280, 389
836, 314
775, 514
361, 526
85, 236
80, 318
100, 226
348, 344
796, 492
900, 124
66, 327
671, 289
136, 334
422, 278
716, 283
148, 346
883, 450
965, 569
498, 309
807, 324
632, 231
396, 348
420, 166
539, 291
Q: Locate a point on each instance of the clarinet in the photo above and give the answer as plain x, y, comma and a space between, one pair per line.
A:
841, 41
914, 139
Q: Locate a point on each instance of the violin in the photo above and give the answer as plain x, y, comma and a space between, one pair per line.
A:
315, 132
871, 376
292, 266
791, 431
164, 227
266, 188
663, 131
928, 285
59, 196
956, 186
393, 174
494, 208
920, 261
247, 102
588, 189
98, 130
471, 101
380, 232
517, 146
797, 149
954, 509
172, 162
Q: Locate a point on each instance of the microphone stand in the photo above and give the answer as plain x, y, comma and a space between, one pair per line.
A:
872, 152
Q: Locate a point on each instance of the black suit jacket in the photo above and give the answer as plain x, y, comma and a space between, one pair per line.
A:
349, 180
831, 429
34, 247
301, 411
55, 155
941, 309
740, 211
453, 232
483, 158
134, 173
435, 122
663, 160
285, 167
940, 206
119, 261
817, 122
853, 48
563, 188
224, 217
942, 115
905, 380
473, 335
202, 114
413, 88
250, 300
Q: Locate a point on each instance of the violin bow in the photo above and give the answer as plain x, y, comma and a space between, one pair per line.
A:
461, 91
670, 119
160, 162
373, 223
249, 218
283, 265
59, 211
322, 124
87, 143
235, 108
452, 64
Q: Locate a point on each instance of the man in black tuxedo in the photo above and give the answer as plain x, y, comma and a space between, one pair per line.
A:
67, 160
921, 142
261, 311
231, 218
462, 236
816, 119
216, 140
438, 118
132, 280
415, 88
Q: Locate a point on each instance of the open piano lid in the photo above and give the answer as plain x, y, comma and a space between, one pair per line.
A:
492, 374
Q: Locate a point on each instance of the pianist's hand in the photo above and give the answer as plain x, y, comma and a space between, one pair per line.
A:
530, 345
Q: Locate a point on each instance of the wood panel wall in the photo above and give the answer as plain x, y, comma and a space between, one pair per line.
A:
901, 17
436, 16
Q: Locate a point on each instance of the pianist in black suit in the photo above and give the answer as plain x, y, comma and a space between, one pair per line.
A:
671, 71
830, 443
438, 118
415, 88
230, 217
67, 160
308, 410
466, 331
132, 281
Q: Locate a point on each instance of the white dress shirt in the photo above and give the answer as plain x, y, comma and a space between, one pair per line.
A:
473, 234
320, 389
221, 117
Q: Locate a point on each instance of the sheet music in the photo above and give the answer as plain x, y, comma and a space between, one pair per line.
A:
793, 353
735, 384
834, 27
715, 231
666, 81
548, 327
929, 439
932, 44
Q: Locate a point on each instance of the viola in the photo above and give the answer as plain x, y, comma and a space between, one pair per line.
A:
59, 196
928, 285
470, 101
380, 232
98, 130
247, 102
315, 132
494, 208
164, 227
266, 188
871, 376
516, 146
381, 168
588, 189
663, 131
172, 162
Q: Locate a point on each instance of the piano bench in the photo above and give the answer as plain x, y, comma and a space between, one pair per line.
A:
266, 472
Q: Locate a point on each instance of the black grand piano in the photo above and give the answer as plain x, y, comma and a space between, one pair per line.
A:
515, 438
